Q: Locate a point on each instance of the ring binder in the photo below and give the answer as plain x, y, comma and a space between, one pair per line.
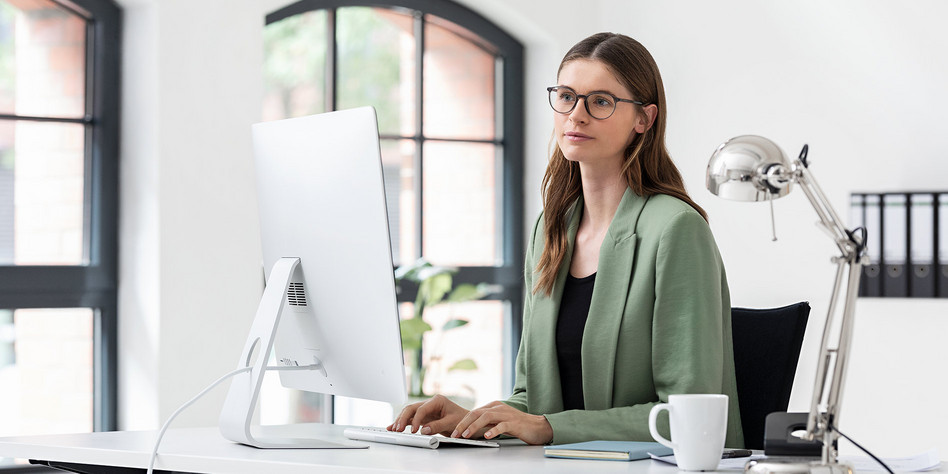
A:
922, 245
894, 245
941, 227
873, 222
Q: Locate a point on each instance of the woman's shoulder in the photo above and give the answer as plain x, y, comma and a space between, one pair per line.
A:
536, 235
667, 204
663, 212
537, 225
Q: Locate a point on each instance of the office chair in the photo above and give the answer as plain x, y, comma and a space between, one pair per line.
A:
766, 349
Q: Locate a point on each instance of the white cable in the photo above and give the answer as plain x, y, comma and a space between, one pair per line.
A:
161, 434
154, 452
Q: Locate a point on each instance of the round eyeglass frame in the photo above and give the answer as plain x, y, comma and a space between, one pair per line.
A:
586, 102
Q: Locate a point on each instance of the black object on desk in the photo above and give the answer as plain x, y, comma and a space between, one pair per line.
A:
736, 453
779, 440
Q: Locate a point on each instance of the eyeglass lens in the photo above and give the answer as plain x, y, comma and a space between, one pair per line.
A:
599, 105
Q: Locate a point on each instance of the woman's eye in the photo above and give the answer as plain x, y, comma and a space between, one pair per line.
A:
602, 101
567, 97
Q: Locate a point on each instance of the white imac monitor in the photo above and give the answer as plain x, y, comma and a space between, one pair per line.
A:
329, 306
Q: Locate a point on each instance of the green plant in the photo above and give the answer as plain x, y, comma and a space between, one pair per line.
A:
435, 286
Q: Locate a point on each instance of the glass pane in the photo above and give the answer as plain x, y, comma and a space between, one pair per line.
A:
294, 65
464, 363
377, 65
41, 186
42, 59
460, 203
399, 175
46, 371
458, 84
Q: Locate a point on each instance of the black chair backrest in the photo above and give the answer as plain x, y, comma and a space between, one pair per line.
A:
766, 349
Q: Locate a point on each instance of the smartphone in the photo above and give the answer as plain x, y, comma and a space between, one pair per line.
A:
736, 453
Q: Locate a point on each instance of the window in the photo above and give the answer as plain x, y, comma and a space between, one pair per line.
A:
58, 212
447, 88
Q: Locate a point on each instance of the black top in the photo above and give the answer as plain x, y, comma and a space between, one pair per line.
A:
570, 323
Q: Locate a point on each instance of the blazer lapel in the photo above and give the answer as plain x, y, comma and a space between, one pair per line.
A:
546, 394
610, 293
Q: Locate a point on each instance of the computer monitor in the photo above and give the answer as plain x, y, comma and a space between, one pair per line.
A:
329, 306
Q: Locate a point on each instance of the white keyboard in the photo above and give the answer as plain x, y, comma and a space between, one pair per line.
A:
381, 435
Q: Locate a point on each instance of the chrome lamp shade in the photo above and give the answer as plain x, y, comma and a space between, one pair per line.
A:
749, 168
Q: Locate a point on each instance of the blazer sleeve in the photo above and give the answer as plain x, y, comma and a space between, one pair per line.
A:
687, 338
518, 399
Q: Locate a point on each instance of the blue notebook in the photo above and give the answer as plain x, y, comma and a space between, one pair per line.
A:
607, 450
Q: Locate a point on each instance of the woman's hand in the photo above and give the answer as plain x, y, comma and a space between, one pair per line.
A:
497, 418
435, 415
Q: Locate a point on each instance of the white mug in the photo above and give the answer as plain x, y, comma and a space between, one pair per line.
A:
698, 425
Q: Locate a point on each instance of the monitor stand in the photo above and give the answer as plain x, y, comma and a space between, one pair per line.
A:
237, 412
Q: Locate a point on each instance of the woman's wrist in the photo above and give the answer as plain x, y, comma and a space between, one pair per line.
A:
546, 429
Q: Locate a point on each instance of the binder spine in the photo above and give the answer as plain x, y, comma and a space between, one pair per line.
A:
872, 273
894, 245
921, 245
941, 237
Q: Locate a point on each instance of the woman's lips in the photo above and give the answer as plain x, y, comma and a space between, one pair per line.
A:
577, 137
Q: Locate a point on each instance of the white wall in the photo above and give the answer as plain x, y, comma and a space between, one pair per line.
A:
190, 273
861, 82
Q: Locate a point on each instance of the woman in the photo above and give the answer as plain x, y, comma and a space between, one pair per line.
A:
628, 300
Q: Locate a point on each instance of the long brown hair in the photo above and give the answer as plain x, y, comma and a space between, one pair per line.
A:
648, 168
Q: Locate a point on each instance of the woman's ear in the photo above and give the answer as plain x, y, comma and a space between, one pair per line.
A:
646, 120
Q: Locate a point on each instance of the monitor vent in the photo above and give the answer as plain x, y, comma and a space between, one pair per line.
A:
295, 295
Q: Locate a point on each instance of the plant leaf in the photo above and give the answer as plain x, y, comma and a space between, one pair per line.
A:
433, 289
430, 271
454, 323
410, 272
466, 292
464, 364
412, 331
409, 344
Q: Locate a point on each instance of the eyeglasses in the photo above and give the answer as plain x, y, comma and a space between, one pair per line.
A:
600, 104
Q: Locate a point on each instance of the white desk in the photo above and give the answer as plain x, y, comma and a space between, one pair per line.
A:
204, 450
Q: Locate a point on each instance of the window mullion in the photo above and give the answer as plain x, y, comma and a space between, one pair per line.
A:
105, 357
331, 61
419, 26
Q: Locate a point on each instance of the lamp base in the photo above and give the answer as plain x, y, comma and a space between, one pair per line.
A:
796, 466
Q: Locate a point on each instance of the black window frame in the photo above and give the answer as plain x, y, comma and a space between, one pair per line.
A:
509, 137
95, 284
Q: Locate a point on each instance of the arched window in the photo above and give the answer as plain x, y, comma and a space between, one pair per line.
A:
447, 86
59, 115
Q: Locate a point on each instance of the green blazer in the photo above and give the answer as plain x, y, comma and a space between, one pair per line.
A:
659, 324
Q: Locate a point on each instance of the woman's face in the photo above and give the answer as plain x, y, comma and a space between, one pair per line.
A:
589, 140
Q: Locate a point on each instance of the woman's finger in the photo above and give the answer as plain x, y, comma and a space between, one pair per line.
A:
488, 417
500, 428
401, 421
462, 425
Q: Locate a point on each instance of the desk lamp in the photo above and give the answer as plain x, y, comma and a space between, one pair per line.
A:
753, 168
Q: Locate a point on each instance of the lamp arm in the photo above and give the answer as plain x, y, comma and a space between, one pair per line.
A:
829, 219
832, 361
